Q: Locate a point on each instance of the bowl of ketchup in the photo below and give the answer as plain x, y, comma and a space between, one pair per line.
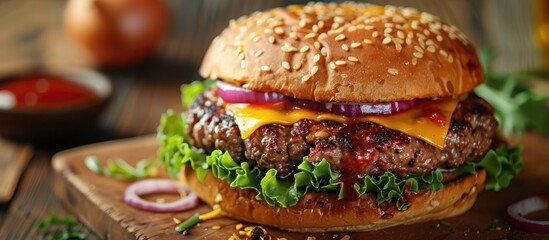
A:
52, 102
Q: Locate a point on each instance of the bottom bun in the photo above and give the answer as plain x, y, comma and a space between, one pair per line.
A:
322, 212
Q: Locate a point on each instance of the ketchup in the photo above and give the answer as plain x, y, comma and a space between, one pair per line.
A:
41, 91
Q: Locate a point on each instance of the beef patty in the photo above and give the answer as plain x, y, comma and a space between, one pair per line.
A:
362, 148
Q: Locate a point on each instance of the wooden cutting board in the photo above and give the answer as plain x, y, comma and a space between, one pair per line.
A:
97, 201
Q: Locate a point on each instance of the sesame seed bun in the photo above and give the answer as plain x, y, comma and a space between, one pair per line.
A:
320, 212
347, 52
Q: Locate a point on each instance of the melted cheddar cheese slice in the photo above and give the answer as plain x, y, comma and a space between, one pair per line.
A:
428, 121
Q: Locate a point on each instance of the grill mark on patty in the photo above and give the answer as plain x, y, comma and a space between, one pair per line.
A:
362, 148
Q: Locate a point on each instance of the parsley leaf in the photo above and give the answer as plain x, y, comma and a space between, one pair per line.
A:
517, 106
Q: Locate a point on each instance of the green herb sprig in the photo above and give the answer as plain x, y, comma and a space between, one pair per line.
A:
63, 228
517, 106
119, 169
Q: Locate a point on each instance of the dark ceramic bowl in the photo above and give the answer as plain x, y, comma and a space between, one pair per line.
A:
60, 122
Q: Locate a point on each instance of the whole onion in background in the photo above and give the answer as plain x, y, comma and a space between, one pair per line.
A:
116, 32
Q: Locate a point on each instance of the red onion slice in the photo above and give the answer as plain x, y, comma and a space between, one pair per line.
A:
234, 94
356, 109
518, 210
148, 186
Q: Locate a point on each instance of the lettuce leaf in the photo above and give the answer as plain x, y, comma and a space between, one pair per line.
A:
191, 90
501, 166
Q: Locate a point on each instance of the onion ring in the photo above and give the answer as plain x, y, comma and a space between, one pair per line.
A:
148, 186
518, 210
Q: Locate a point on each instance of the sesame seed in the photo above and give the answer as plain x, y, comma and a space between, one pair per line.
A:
386, 40
335, 25
302, 23
340, 37
256, 39
443, 53
430, 42
288, 48
345, 47
452, 35
322, 36
392, 71
375, 34
297, 66
418, 48
398, 19
418, 54
400, 34
304, 49
305, 77
352, 29
332, 65
216, 227
450, 59
271, 39
340, 62
398, 47
265, 68
268, 31
415, 24
431, 49
259, 52
414, 61
317, 45
315, 28
279, 30
239, 49
324, 52
286, 65
368, 27
389, 25
316, 58
314, 70
243, 64
339, 19
439, 38
352, 59
241, 56
421, 42
310, 35
408, 41
355, 45
293, 36
367, 41
320, 24
426, 32
397, 40
388, 30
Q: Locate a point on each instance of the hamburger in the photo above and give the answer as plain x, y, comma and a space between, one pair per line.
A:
338, 117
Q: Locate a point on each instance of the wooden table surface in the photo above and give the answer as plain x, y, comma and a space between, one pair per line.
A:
32, 30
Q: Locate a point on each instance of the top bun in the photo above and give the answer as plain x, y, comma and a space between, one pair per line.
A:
347, 52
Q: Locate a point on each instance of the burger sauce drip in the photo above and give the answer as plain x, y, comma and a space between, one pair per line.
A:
349, 180
42, 91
